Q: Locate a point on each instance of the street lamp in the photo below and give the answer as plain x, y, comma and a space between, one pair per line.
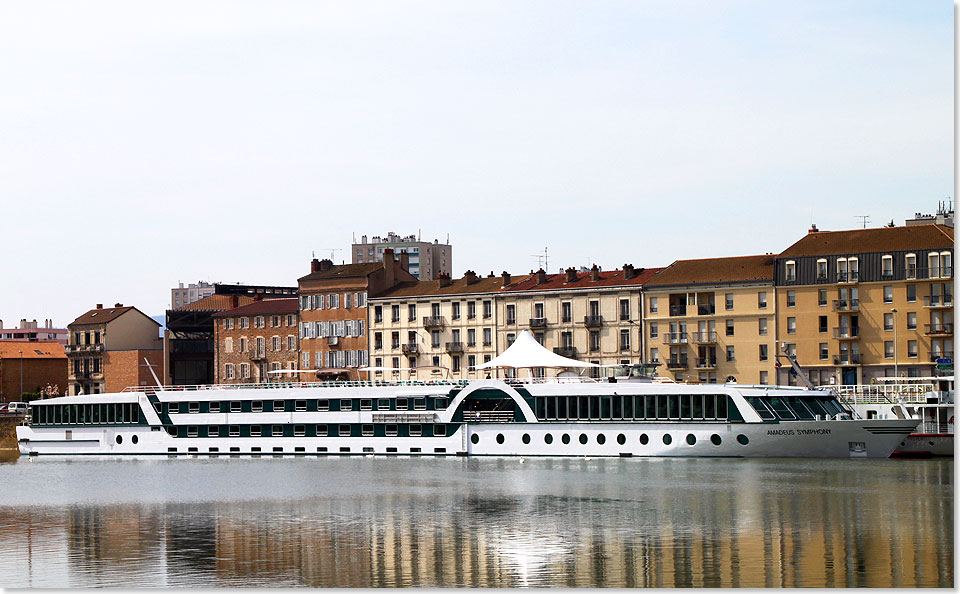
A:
896, 359
21, 375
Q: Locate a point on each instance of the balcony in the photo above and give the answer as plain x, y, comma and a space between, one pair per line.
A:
938, 301
943, 329
454, 347
333, 341
848, 277
565, 351
822, 278
677, 362
538, 322
678, 310
932, 357
706, 310
257, 355
846, 305
433, 322
847, 359
675, 337
938, 272
846, 333
706, 363
410, 348
703, 337
83, 348
593, 321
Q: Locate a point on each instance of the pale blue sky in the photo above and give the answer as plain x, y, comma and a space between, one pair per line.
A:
148, 143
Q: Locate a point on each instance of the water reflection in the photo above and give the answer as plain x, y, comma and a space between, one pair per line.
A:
455, 522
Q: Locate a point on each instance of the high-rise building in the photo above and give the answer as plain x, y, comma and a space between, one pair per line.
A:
427, 260
180, 296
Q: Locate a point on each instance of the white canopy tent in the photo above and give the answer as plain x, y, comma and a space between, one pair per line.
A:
526, 352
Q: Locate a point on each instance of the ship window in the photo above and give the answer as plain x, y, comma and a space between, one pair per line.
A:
715, 439
662, 407
761, 408
800, 408
278, 406
344, 431
628, 407
691, 439
119, 439
500, 438
194, 407
255, 431
321, 430
548, 438
780, 407
743, 439
697, 410
475, 438
346, 404
383, 404
277, 431
299, 430
440, 404
605, 412
830, 405
235, 406
583, 438
685, 406
366, 430
644, 440
439, 430
366, 404
667, 440
323, 405
172, 431
416, 430
401, 404
621, 439
525, 438
256, 406
135, 439
214, 407
419, 404
391, 431
565, 438
300, 405
157, 406
192, 431
213, 431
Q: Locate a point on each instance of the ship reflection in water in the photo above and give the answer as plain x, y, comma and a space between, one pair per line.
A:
476, 522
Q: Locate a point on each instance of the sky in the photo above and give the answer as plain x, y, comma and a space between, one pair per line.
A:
150, 143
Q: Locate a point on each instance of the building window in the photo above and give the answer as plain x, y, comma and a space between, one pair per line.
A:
887, 294
762, 326
824, 351
886, 270
822, 324
487, 337
258, 322
511, 314
624, 340
510, 338
245, 371
730, 354
377, 314
435, 338
912, 349
888, 321
729, 324
624, 309
471, 337
764, 377
791, 325
456, 363
911, 320
277, 343
654, 330
763, 352
394, 313
566, 311
412, 312
791, 298
888, 349
455, 310
471, 309
728, 301
911, 293
822, 297
821, 270
378, 340
762, 300
487, 309
791, 269
594, 340
653, 304
228, 371
654, 355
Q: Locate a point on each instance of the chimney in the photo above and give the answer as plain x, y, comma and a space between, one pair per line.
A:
506, 278
628, 271
118, 305
491, 275
813, 228
1, 324
595, 273
314, 266
405, 261
389, 268
470, 276
326, 264
235, 300
99, 306
541, 277
571, 274
444, 279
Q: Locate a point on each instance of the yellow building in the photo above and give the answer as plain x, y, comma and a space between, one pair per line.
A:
713, 320
860, 304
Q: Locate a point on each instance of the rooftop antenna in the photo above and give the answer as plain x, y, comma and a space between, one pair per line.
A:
865, 218
543, 261
333, 252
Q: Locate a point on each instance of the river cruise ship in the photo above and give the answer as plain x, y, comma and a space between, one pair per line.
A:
494, 417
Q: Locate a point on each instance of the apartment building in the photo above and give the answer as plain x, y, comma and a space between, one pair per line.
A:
33, 332
595, 316
426, 260
430, 328
333, 312
865, 303
107, 348
30, 368
181, 296
713, 320
254, 339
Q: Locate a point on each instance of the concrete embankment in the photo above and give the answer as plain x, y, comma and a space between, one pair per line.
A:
8, 434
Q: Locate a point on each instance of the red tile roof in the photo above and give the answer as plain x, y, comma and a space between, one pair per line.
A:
10, 349
738, 269
433, 287
286, 305
105, 315
216, 303
608, 278
344, 271
861, 241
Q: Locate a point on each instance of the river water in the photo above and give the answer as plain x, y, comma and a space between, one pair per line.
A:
497, 522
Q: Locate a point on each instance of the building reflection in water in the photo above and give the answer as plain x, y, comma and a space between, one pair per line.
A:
657, 524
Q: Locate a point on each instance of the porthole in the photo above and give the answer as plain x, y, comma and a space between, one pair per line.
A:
743, 439
715, 439
621, 439
601, 438
134, 439
691, 439
119, 439
548, 438
499, 437
475, 438
565, 438
644, 440
583, 438
525, 438
667, 440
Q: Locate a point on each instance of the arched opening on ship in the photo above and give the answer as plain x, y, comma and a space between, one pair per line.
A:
492, 404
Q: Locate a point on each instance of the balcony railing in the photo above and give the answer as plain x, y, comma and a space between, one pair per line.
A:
706, 310
675, 337
454, 347
433, 322
703, 337
706, 363
848, 277
84, 348
677, 362
846, 333
937, 329
565, 351
410, 348
847, 359
538, 322
823, 278
932, 357
926, 272
511, 321
846, 304
593, 321
678, 310
938, 300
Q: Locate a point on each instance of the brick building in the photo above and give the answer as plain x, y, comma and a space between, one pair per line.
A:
39, 364
97, 335
129, 368
256, 338
333, 312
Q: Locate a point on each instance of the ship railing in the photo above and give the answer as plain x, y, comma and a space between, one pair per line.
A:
886, 393
355, 384
934, 428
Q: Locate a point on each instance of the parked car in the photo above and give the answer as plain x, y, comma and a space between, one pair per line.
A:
19, 408
3, 408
